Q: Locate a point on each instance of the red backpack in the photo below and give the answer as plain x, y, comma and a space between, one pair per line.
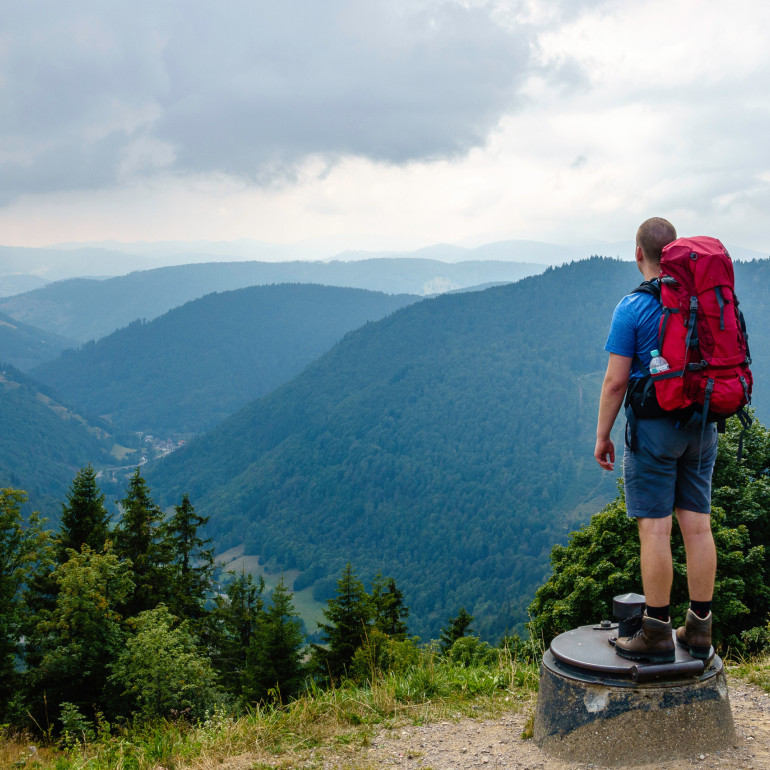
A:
702, 332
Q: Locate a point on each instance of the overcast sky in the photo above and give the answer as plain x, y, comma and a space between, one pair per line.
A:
383, 123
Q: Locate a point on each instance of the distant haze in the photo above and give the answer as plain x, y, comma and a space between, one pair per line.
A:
23, 269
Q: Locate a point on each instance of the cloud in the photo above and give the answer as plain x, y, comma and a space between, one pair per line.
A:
94, 94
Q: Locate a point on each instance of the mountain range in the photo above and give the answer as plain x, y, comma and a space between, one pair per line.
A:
448, 444
192, 367
86, 309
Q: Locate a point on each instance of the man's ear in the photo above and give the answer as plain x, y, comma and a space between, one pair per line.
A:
639, 254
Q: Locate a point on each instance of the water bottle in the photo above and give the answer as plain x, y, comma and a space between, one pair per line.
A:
658, 364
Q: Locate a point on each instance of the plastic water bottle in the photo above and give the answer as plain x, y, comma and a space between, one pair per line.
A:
658, 364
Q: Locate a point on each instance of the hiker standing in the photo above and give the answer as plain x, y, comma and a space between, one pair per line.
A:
667, 467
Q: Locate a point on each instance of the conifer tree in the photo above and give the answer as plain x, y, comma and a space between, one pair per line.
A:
83, 634
22, 548
190, 563
348, 614
456, 628
84, 521
84, 518
275, 652
389, 611
138, 537
236, 617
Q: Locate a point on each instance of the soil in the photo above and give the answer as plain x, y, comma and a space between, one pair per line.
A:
496, 744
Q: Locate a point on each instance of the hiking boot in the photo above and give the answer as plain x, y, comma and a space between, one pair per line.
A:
695, 636
653, 642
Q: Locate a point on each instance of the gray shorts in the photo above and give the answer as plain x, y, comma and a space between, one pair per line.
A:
662, 472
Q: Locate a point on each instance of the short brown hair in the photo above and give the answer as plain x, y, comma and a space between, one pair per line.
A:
653, 234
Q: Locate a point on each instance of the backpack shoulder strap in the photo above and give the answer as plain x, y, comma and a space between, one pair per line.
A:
649, 287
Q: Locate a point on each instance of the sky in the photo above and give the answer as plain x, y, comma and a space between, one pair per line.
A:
383, 123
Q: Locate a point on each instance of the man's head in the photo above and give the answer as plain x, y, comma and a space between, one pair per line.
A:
653, 234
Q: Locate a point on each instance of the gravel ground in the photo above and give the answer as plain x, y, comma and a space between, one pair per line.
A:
496, 744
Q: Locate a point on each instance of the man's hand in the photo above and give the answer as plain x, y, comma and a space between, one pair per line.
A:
610, 401
605, 453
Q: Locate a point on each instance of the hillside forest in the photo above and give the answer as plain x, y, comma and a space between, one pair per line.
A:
446, 444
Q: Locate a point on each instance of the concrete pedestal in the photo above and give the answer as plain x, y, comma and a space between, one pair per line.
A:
594, 706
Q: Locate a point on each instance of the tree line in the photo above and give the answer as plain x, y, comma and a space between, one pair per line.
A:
104, 622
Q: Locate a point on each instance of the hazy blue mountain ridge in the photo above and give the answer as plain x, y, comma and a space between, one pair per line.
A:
187, 370
18, 283
86, 309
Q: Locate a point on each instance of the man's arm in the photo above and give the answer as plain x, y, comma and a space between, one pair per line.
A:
613, 393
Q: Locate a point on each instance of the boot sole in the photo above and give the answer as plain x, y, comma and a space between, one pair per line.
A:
699, 653
646, 657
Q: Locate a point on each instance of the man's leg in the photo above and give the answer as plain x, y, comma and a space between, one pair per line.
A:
695, 635
657, 567
701, 553
653, 642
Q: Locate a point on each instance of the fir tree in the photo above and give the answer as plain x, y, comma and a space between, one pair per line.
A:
190, 563
22, 548
236, 617
455, 629
138, 537
349, 614
275, 653
84, 518
390, 612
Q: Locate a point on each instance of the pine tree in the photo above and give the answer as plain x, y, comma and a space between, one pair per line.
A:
275, 652
349, 614
138, 537
84, 518
84, 521
455, 629
236, 617
190, 563
390, 612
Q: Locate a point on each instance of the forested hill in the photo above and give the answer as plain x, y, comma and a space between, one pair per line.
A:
86, 309
449, 445
24, 346
189, 369
43, 443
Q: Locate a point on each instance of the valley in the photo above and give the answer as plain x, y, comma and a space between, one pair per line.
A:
444, 441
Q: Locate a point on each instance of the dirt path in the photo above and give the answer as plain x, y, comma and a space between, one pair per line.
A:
496, 744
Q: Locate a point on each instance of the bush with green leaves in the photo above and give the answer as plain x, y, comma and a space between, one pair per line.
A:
381, 654
601, 560
78, 640
162, 670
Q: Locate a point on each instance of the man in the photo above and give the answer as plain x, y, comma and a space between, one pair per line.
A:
666, 469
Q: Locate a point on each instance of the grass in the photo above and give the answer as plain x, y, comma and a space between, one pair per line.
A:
755, 671
342, 720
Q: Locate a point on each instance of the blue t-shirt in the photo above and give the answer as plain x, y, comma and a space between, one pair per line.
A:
634, 331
